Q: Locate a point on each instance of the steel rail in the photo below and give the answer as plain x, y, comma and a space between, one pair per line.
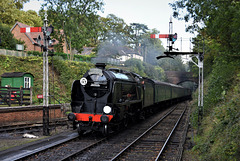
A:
169, 136
149, 129
71, 156
25, 154
28, 126
184, 137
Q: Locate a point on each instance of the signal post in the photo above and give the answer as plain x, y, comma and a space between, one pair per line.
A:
47, 30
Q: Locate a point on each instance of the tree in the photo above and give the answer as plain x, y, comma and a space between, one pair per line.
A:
145, 69
175, 64
7, 39
77, 18
114, 30
113, 36
137, 30
10, 13
19, 3
217, 19
151, 48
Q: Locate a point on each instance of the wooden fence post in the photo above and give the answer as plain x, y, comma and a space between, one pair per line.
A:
9, 96
31, 94
21, 96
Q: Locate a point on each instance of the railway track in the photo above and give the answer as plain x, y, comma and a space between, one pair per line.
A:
30, 127
31, 150
65, 150
153, 142
134, 143
139, 144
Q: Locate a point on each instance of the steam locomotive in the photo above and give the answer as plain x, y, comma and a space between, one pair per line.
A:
108, 98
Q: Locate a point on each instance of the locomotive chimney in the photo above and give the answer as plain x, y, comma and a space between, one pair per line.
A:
100, 65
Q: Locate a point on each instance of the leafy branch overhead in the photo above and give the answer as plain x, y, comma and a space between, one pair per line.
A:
78, 20
215, 19
10, 13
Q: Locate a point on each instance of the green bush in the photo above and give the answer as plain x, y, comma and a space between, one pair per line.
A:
223, 72
218, 135
34, 53
64, 56
145, 69
7, 39
68, 71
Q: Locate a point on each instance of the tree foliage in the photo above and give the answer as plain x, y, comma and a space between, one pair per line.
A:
137, 30
77, 18
218, 24
145, 69
19, 3
10, 13
116, 36
218, 19
114, 30
152, 47
113, 36
7, 39
175, 64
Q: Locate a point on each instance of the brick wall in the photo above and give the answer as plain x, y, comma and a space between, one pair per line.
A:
13, 115
29, 45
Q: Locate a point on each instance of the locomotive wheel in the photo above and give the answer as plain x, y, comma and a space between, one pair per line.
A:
80, 131
105, 130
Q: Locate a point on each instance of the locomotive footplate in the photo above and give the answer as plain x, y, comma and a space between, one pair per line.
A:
94, 126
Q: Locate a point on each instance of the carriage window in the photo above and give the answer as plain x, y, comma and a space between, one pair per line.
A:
27, 82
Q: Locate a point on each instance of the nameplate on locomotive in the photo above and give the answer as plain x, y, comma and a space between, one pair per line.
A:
95, 71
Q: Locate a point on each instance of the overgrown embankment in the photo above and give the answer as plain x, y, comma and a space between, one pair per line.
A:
64, 74
218, 137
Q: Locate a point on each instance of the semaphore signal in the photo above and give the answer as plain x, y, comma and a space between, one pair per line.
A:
171, 37
31, 29
47, 30
159, 36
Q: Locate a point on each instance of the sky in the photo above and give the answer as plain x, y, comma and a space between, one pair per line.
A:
153, 13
